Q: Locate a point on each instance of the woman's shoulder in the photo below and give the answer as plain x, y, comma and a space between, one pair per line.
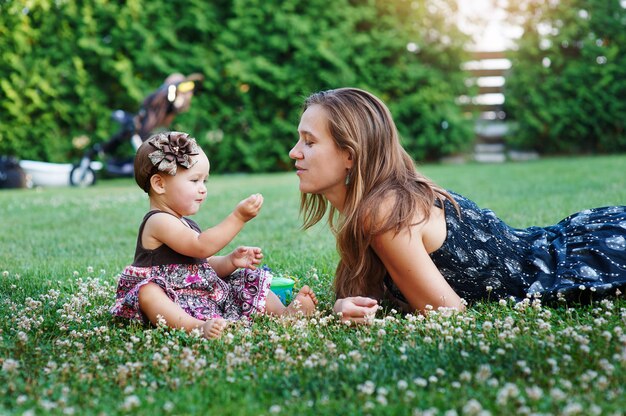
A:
376, 211
393, 211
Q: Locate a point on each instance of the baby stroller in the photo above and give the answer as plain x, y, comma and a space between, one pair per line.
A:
157, 110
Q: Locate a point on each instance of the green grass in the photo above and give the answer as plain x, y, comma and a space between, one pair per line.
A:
60, 352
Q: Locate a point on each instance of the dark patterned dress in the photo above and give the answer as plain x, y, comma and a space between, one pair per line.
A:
582, 257
191, 283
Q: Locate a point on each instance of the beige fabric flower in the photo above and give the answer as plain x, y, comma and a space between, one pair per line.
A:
173, 149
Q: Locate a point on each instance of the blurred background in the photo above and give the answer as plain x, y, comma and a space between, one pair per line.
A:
519, 78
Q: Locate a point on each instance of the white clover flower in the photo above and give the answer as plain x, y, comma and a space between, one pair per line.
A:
420, 382
402, 385
602, 382
595, 410
10, 365
534, 393
472, 408
465, 376
557, 394
47, 404
508, 391
161, 322
483, 373
367, 388
274, 409
572, 409
131, 402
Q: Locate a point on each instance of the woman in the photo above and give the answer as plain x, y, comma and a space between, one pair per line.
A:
401, 236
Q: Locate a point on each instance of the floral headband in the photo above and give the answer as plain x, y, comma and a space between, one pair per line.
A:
173, 149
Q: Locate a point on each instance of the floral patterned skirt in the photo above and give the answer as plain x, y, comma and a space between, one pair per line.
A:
197, 289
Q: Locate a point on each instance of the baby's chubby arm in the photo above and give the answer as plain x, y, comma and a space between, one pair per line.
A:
241, 257
214, 239
249, 207
170, 230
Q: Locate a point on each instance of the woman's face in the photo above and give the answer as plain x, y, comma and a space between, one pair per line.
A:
321, 165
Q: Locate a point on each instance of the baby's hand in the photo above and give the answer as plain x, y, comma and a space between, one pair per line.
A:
249, 207
246, 257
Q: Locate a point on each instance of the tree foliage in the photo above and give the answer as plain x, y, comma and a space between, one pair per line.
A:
567, 87
65, 65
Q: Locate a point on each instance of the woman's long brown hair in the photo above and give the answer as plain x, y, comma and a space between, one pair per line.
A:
382, 173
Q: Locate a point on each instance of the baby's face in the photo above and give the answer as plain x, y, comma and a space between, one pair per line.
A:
186, 191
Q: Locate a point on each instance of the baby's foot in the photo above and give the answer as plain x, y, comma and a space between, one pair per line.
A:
213, 328
304, 302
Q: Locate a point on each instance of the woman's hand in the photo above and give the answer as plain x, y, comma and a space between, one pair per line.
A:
357, 309
246, 257
249, 207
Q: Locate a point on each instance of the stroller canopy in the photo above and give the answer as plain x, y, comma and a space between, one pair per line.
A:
171, 98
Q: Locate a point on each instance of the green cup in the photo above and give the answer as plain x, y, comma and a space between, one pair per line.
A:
283, 288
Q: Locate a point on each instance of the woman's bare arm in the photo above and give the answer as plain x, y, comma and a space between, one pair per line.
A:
413, 271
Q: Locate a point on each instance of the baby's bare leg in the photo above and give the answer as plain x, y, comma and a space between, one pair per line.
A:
273, 305
154, 303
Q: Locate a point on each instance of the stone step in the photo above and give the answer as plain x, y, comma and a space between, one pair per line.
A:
489, 147
490, 157
522, 156
491, 129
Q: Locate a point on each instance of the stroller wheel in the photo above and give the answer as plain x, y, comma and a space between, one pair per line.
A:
82, 176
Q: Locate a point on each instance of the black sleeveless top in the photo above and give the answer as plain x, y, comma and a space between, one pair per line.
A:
163, 254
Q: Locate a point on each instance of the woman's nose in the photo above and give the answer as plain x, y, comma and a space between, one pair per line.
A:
294, 153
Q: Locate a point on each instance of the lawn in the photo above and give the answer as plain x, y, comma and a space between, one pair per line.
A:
62, 353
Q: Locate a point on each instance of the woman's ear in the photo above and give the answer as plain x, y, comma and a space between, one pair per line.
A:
157, 183
348, 159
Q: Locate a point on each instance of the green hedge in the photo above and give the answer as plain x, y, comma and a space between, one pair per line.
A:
65, 65
567, 88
